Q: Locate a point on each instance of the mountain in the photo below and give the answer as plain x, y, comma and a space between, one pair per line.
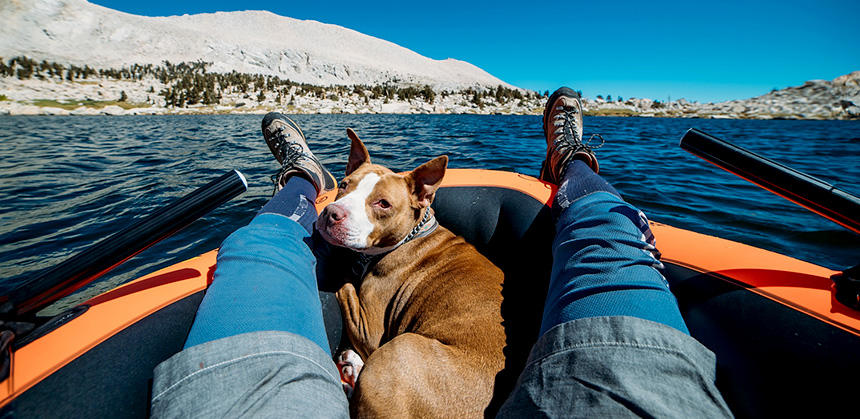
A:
815, 99
256, 42
826, 99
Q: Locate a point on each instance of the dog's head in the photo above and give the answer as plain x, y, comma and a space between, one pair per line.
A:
376, 208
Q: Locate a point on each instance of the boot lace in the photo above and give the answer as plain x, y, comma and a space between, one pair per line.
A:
289, 152
566, 132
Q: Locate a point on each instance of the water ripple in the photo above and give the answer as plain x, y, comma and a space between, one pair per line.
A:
69, 181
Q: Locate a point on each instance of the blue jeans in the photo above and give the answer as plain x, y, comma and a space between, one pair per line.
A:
603, 257
611, 331
266, 274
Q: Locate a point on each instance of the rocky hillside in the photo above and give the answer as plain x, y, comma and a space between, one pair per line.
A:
816, 99
253, 42
44, 87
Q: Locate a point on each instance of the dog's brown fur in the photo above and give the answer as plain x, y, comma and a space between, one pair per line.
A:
427, 317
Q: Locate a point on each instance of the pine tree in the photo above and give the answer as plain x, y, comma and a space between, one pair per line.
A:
428, 94
5, 70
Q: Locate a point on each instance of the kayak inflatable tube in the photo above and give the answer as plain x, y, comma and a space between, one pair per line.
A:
784, 344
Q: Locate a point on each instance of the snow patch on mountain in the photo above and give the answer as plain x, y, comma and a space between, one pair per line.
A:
259, 42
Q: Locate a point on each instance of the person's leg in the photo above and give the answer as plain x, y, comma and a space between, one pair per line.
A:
603, 257
603, 252
612, 340
265, 277
258, 345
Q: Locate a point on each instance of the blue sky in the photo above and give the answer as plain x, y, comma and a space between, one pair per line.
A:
705, 51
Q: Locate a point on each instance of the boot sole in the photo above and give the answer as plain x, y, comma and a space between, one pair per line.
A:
272, 117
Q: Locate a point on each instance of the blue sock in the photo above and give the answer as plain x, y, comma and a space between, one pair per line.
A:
579, 180
296, 202
603, 257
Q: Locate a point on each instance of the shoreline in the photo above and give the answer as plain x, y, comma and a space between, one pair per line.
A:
114, 110
191, 90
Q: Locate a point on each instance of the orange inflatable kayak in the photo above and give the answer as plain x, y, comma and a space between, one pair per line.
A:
782, 340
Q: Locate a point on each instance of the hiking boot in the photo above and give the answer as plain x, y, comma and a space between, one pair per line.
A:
288, 144
562, 126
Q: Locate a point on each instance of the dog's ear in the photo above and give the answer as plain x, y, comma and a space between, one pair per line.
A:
358, 154
425, 179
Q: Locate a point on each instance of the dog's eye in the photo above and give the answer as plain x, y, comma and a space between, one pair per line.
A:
383, 204
341, 185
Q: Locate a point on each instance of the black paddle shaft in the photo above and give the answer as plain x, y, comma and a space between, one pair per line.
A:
81, 269
813, 194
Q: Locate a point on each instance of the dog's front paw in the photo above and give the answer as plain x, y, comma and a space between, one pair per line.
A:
349, 364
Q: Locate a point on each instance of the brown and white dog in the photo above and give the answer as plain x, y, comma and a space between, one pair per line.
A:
426, 318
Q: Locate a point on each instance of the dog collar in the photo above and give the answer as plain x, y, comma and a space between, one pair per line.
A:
424, 227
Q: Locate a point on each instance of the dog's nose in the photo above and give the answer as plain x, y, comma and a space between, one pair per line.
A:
335, 214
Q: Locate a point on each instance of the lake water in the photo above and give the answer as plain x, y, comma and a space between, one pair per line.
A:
70, 181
